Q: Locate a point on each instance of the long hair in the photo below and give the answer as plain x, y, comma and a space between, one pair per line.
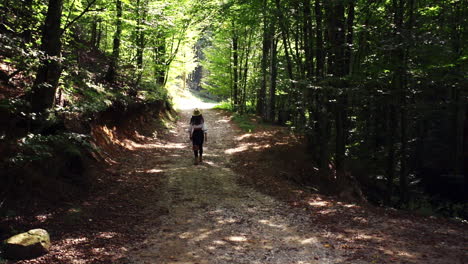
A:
197, 120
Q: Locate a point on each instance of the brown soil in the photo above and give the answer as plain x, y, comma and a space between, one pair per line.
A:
152, 205
359, 231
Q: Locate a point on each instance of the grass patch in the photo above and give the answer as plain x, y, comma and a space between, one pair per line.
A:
224, 105
244, 122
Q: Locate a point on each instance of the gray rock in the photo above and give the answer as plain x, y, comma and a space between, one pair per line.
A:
32, 244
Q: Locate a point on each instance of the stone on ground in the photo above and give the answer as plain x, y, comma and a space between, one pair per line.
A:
31, 244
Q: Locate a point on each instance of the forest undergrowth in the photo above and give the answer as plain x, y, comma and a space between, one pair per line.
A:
364, 231
97, 225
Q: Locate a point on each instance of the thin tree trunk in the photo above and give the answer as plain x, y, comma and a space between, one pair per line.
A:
458, 32
112, 71
94, 26
319, 68
266, 44
324, 135
99, 36
160, 60
284, 34
336, 67
235, 68
349, 38
404, 105
245, 69
397, 86
274, 74
391, 139
308, 46
140, 39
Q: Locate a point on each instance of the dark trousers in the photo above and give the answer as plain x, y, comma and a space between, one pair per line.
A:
199, 151
198, 138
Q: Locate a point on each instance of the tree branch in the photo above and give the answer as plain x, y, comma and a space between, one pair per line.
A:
86, 10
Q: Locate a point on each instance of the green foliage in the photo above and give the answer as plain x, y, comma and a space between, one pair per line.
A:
428, 206
152, 92
14, 106
244, 122
225, 105
35, 147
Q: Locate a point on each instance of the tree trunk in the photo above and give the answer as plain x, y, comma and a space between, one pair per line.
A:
308, 47
337, 68
246, 55
404, 197
235, 68
458, 96
324, 133
390, 146
336, 35
266, 44
349, 38
42, 95
99, 35
94, 27
274, 74
140, 39
112, 71
319, 69
160, 59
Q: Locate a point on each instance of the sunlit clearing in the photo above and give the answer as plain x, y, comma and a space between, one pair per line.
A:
184, 100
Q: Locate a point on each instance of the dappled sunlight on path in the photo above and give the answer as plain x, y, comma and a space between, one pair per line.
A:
211, 218
186, 100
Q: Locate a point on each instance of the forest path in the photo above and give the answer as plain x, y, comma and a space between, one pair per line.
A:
211, 218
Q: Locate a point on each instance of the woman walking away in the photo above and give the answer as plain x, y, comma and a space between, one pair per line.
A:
197, 133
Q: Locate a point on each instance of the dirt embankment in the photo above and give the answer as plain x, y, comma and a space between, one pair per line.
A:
69, 197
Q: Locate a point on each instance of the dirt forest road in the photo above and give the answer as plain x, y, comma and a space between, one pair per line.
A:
211, 218
154, 206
